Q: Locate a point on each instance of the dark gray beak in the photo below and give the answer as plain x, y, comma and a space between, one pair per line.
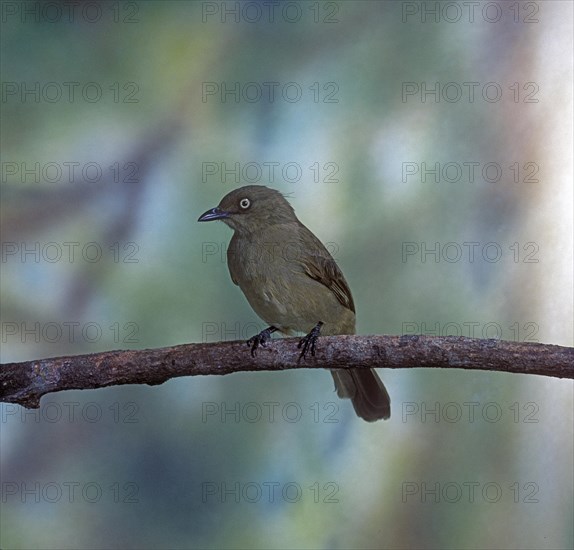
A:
213, 214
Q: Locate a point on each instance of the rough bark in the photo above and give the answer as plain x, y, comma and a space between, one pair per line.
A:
24, 383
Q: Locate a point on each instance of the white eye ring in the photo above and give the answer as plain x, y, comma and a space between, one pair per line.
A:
245, 203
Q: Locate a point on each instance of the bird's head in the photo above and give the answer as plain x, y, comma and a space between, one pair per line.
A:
251, 208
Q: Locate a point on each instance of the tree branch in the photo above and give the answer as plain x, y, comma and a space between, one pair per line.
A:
25, 383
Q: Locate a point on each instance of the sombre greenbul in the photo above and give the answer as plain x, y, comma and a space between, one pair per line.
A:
293, 283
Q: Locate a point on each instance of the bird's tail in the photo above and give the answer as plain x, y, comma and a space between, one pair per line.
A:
366, 391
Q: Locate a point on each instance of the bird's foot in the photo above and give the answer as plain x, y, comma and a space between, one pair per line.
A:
260, 339
309, 340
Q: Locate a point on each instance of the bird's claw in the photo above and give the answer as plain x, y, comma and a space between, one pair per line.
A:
310, 340
258, 340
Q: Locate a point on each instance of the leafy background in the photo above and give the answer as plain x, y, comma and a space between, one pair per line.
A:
153, 451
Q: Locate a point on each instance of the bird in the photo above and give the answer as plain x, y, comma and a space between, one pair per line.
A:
293, 283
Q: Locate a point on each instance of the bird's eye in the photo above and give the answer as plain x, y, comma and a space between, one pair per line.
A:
245, 203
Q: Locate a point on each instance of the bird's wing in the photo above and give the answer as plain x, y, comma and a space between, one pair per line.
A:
320, 265
233, 259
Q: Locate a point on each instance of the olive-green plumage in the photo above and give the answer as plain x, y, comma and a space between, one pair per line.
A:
292, 282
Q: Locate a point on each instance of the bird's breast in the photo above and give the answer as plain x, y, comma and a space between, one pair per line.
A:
271, 274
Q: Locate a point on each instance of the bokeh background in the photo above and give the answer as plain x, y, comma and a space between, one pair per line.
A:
171, 110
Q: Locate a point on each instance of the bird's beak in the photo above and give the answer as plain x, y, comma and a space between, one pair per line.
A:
213, 214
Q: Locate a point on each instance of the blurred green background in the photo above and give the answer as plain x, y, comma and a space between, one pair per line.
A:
171, 110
